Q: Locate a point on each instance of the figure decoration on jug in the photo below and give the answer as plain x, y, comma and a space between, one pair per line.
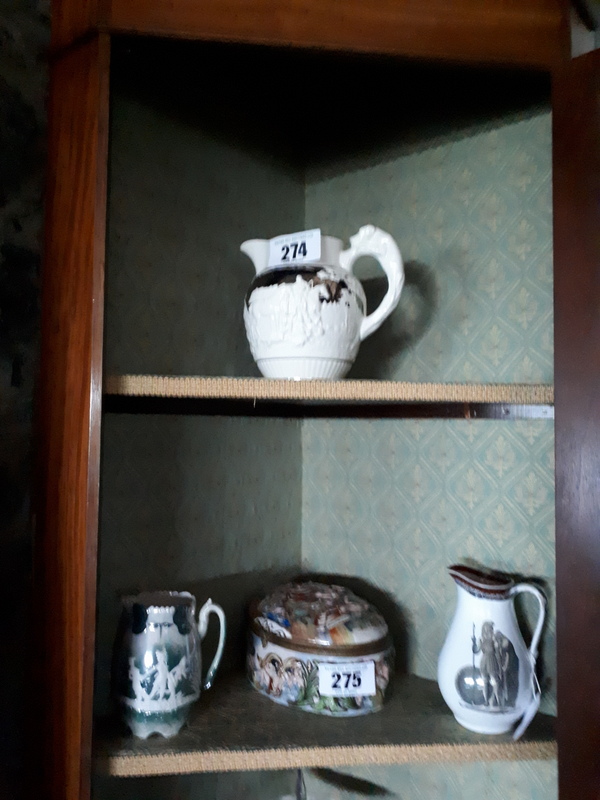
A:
495, 683
157, 687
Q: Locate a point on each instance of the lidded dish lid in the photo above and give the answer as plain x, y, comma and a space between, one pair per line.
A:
309, 615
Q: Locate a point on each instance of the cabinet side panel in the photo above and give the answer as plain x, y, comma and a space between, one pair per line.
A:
577, 369
69, 409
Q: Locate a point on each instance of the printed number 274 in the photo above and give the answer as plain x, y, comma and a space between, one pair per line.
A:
295, 249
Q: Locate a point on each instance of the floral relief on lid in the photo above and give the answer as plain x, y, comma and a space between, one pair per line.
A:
320, 614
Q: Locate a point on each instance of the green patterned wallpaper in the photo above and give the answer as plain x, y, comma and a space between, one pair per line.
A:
500, 780
472, 215
397, 501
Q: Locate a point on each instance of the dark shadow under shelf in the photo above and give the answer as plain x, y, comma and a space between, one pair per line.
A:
233, 728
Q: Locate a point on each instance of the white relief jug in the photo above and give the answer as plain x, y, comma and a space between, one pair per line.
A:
157, 660
486, 673
307, 320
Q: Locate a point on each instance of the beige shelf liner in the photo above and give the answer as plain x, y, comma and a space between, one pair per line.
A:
331, 391
282, 758
233, 728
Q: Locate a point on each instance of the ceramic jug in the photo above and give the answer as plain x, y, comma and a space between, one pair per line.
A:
307, 320
157, 661
486, 673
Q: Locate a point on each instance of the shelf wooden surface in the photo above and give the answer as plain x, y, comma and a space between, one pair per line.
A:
234, 728
365, 391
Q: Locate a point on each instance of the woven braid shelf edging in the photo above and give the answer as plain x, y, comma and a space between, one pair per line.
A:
235, 728
332, 391
292, 758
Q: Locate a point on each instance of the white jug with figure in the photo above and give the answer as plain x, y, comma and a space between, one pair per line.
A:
486, 673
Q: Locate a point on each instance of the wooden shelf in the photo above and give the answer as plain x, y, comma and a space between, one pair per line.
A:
317, 391
234, 728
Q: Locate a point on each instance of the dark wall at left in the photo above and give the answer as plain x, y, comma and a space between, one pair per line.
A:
24, 36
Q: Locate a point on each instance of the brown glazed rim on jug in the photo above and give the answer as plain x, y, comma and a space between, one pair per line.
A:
369, 648
482, 584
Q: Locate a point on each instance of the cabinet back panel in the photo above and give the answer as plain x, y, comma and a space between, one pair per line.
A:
181, 202
395, 502
275, 785
471, 211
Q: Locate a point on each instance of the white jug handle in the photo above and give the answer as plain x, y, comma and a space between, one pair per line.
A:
533, 706
372, 241
531, 709
535, 639
207, 609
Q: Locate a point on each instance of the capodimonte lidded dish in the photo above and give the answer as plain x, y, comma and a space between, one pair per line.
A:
321, 648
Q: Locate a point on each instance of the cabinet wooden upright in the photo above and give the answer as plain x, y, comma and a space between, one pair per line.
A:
530, 35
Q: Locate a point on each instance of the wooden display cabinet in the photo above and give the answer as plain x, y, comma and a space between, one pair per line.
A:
502, 54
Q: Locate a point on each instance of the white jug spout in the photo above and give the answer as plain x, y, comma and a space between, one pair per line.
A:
258, 251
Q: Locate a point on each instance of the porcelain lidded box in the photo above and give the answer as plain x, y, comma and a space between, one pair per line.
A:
320, 648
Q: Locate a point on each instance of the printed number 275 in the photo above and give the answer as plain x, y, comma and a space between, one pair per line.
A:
345, 680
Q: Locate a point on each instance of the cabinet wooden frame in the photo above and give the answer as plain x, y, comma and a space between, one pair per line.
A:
69, 398
576, 185
69, 409
532, 33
